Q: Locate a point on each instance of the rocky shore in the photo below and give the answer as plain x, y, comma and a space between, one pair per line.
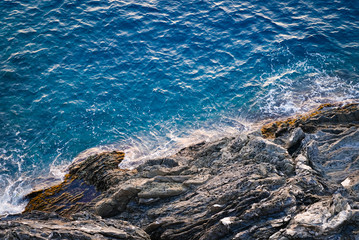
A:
296, 178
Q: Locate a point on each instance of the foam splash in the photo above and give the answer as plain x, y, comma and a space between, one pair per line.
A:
148, 146
286, 95
14, 188
11, 196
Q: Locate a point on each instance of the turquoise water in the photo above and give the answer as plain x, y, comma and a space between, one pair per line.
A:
151, 76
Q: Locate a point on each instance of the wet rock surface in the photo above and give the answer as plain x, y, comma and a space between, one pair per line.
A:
86, 179
293, 179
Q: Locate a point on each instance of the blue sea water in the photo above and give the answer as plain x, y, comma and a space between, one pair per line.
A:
151, 76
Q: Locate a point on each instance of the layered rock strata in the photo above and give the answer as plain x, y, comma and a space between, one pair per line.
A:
80, 226
292, 179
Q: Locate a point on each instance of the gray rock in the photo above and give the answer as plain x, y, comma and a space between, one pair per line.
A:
82, 226
296, 136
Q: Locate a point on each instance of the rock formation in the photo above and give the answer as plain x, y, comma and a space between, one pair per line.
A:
293, 179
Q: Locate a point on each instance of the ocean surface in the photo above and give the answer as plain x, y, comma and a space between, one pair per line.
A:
149, 77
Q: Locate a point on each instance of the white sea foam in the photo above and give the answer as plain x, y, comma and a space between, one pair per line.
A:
15, 187
285, 95
11, 197
154, 145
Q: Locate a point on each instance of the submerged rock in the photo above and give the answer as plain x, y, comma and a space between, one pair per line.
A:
293, 179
